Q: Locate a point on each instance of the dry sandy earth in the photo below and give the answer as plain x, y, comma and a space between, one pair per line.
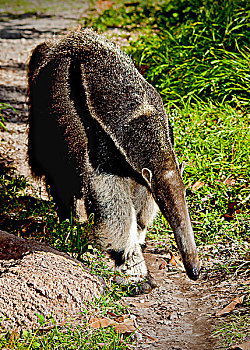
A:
179, 313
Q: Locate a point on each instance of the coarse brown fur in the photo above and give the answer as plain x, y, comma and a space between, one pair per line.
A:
100, 135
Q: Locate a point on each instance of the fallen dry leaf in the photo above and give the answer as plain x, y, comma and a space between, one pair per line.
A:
162, 266
172, 261
44, 330
97, 323
197, 185
111, 314
128, 326
103, 5
175, 261
148, 336
231, 209
121, 318
228, 217
246, 283
230, 306
243, 346
78, 29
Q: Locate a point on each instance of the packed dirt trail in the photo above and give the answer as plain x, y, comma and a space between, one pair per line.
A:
179, 313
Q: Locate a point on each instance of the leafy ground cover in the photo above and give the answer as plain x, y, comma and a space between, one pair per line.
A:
196, 54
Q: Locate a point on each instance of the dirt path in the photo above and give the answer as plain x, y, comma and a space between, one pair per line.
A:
19, 35
179, 313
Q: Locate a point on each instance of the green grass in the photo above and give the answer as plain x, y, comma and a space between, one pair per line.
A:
233, 331
190, 51
28, 217
36, 218
4, 107
196, 55
213, 141
75, 334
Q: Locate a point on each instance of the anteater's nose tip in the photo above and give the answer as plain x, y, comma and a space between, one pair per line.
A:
193, 273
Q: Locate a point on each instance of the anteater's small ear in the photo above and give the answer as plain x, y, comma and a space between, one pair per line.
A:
182, 167
147, 175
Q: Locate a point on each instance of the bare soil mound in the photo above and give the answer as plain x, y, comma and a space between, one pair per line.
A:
36, 279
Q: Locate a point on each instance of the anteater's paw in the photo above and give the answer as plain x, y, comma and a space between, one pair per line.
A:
143, 287
133, 268
136, 286
133, 274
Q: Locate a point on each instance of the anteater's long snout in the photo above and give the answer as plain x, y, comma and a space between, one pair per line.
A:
185, 241
169, 193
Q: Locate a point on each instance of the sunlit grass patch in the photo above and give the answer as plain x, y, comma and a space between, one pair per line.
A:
233, 331
213, 142
191, 52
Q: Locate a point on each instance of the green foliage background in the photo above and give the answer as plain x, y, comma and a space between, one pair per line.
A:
196, 54
191, 51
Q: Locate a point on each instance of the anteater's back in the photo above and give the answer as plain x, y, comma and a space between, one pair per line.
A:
88, 100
